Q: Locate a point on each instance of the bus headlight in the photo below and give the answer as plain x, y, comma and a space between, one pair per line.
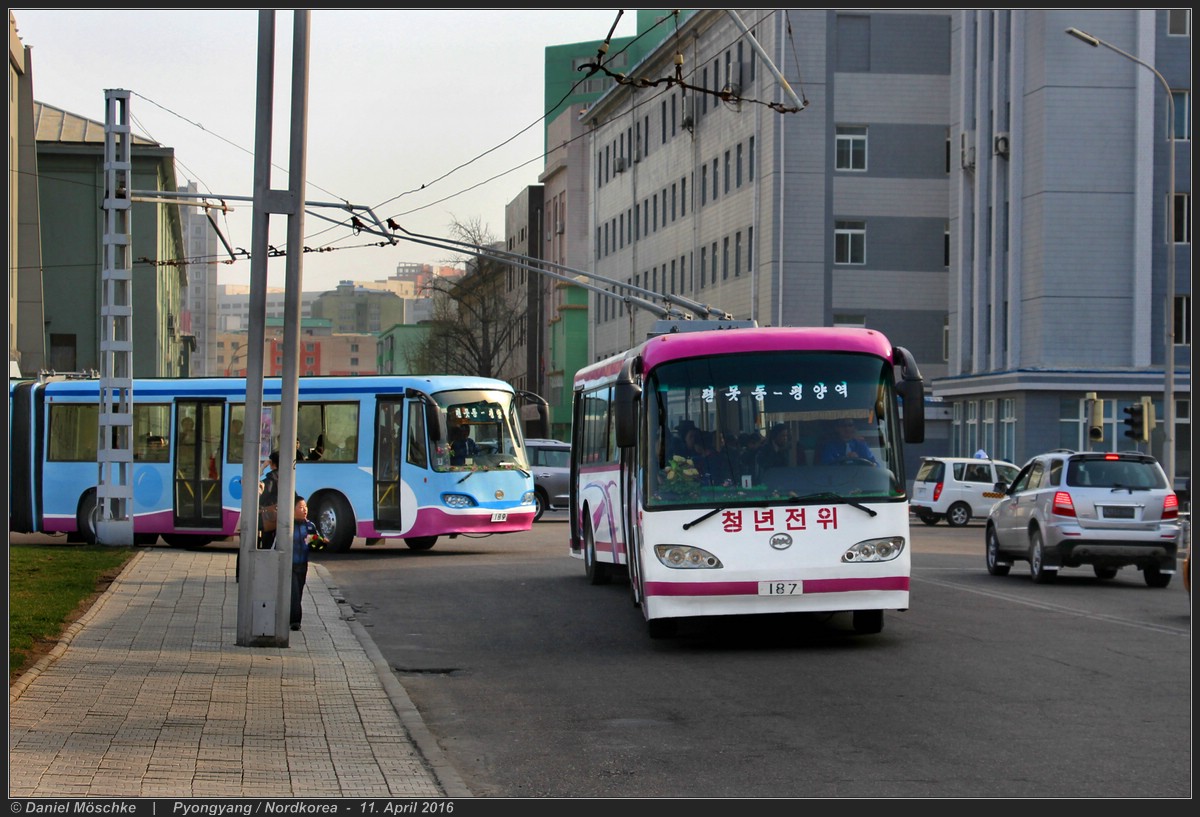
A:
459, 500
875, 550
686, 556
527, 498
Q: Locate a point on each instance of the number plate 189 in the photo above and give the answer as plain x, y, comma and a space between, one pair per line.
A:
499, 516
780, 588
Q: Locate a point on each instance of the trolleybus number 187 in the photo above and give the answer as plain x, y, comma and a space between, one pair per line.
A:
780, 589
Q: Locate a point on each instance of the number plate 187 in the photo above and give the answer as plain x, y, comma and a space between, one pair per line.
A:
780, 589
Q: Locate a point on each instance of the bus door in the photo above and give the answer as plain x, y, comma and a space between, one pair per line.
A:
389, 440
199, 432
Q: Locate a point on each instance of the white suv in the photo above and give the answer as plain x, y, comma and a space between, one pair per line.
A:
958, 489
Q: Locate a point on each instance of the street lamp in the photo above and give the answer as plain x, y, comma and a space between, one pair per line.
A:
1169, 312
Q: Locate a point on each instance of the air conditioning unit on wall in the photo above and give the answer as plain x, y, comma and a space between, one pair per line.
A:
1000, 144
620, 164
967, 149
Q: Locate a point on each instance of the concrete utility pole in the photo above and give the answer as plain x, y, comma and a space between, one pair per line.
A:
264, 590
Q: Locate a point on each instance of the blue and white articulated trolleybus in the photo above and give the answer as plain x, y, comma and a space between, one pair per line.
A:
373, 457
748, 470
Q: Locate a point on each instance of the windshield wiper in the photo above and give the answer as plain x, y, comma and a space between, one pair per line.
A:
466, 477
700, 519
839, 498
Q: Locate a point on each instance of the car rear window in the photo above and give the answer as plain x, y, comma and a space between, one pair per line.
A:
931, 471
1114, 474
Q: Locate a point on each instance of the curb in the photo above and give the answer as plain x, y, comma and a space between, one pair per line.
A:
423, 740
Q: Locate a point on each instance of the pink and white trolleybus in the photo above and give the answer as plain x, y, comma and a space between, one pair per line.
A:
745, 470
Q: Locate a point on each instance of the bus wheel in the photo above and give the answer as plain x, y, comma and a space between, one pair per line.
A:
85, 519
335, 520
868, 622
420, 542
597, 573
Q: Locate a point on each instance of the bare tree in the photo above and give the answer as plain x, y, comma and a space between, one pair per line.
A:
477, 318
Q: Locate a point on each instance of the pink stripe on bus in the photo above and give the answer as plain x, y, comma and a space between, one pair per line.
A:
751, 588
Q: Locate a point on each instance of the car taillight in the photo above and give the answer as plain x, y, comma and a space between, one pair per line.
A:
937, 491
1063, 506
1170, 507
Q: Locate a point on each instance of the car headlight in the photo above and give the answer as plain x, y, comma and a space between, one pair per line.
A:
459, 500
686, 556
875, 550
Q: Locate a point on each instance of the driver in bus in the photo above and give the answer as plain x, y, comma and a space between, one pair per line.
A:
462, 446
847, 447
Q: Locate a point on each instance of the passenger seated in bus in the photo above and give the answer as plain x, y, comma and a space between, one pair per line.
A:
318, 450
848, 447
712, 459
683, 441
777, 451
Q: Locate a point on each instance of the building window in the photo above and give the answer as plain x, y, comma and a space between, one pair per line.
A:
1183, 320
946, 247
725, 259
850, 242
716, 173
850, 148
1179, 22
1183, 218
713, 278
728, 172
750, 249
674, 199
739, 164
703, 264
737, 254
849, 319
1008, 430
703, 185
750, 159
683, 196
1183, 114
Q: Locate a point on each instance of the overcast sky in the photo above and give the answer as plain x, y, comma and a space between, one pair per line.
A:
397, 99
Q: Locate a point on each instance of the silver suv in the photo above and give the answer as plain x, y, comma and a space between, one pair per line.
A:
1072, 508
958, 489
550, 461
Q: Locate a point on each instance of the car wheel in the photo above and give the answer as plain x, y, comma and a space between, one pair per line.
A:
867, 622
1037, 559
1155, 577
539, 504
1104, 572
958, 515
335, 520
928, 517
596, 573
992, 548
420, 542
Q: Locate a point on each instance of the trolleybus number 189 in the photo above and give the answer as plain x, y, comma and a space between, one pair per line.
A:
499, 516
780, 589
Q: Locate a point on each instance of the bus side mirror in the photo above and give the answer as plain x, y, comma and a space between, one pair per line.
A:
625, 403
435, 421
911, 389
912, 401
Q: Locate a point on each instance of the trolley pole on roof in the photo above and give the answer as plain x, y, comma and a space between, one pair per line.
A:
264, 589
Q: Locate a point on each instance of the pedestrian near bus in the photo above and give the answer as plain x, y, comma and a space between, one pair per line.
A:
304, 534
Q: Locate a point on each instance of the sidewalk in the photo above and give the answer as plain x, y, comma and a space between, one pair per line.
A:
149, 695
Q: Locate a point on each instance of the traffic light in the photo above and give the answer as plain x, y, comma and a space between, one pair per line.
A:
1135, 422
1095, 418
